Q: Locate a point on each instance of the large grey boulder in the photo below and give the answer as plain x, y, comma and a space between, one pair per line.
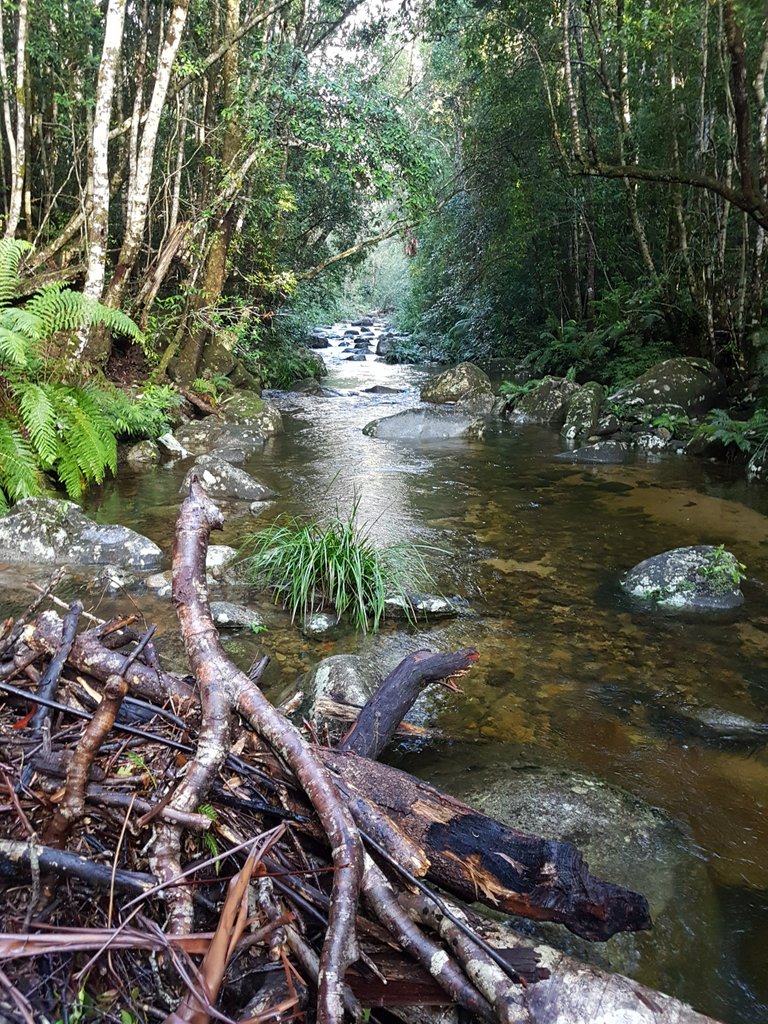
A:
345, 678
425, 425
701, 578
202, 437
51, 531
583, 412
623, 840
606, 453
465, 383
247, 408
684, 386
546, 404
222, 480
144, 453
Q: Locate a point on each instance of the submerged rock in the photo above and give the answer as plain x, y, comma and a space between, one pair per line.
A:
716, 724
546, 404
319, 624
222, 480
419, 606
227, 615
159, 584
202, 437
683, 386
465, 383
701, 578
583, 412
624, 840
343, 679
607, 453
425, 425
49, 530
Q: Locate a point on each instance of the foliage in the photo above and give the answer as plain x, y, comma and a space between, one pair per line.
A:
674, 423
311, 565
747, 436
407, 350
510, 389
213, 386
722, 570
49, 423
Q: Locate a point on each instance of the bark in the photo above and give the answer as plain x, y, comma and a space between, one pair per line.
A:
19, 854
19, 155
479, 859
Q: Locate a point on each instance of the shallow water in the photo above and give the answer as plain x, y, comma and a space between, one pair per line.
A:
570, 675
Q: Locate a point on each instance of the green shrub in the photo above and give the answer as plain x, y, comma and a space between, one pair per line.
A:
750, 437
51, 421
311, 565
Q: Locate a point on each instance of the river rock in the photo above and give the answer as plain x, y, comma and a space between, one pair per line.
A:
222, 480
419, 606
218, 558
319, 624
383, 345
346, 678
318, 337
701, 578
113, 579
307, 386
227, 615
583, 412
717, 724
425, 425
684, 386
465, 383
623, 840
159, 584
606, 453
52, 531
608, 425
246, 408
546, 404
218, 356
145, 453
203, 437
172, 446
382, 389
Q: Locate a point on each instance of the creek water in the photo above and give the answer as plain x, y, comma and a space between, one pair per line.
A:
570, 675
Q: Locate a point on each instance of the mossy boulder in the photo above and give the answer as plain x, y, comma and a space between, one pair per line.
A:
425, 425
682, 386
547, 403
465, 383
603, 453
142, 454
248, 409
583, 412
701, 578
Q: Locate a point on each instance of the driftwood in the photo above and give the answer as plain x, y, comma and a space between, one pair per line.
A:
340, 897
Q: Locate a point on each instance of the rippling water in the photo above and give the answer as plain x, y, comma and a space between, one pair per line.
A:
570, 675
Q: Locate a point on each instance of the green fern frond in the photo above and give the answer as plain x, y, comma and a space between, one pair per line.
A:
39, 418
68, 471
19, 475
11, 253
14, 346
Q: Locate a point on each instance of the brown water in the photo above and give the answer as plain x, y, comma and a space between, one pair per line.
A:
570, 675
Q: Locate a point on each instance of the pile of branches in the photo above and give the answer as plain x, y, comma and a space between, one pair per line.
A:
174, 848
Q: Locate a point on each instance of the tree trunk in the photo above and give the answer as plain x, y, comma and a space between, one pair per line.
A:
19, 153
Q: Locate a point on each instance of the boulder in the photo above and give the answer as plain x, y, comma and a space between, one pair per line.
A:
546, 404
159, 584
425, 425
248, 409
51, 531
171, 446
606, 453
608, 425
222, 480
683, 386
203, 437
419, 606
345, 678
218, 557
227, 615
701, 578
218, 356
307, 386
382, 389
624, 840
145, 453
583, 412
383, 346
465, 383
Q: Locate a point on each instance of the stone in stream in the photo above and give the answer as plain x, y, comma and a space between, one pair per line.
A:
607, 453
608, 425
624, 840
56, 532
382, 389
344, 679
203, 437
159, 584
227, 615
546, 404
583, 412
143, 454
426, 425
701, 578
218, 557
219, 479
248, 409
419, 606
171, 446
713, 724
307, 386
318, 625
685, 386
465, 383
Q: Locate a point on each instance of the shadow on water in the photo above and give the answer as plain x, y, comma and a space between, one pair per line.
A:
571, 675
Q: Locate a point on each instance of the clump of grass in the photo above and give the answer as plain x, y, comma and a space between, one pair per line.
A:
311, 565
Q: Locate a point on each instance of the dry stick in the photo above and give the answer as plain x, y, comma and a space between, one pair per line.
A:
425, 950
72, 805
50, 679
60, 862
198, 516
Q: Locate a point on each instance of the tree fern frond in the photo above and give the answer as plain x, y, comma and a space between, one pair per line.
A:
14, 347
11, 252
19, 475
69, 472
39, 418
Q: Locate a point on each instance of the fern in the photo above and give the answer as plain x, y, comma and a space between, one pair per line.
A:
19, 473
11, 253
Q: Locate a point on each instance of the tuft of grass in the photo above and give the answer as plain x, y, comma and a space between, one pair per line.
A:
311, 565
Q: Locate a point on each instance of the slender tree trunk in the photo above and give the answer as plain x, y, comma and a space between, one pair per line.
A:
19, 155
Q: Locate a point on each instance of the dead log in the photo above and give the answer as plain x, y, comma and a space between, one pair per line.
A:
480, 859
377, 722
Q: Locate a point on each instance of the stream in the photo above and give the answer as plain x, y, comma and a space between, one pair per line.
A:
570, 677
